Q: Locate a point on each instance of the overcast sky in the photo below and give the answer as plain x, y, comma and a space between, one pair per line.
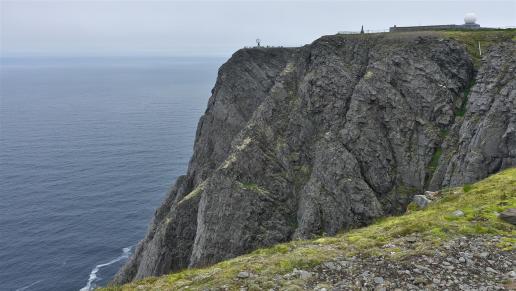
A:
103, 27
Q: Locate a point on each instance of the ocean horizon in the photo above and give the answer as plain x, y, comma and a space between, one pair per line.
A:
89, 148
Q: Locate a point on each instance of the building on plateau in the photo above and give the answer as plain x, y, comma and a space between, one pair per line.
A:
469, 23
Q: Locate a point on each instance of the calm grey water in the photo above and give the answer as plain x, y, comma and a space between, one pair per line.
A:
88, 149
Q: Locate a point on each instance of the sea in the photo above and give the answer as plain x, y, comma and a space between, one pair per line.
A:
89, 148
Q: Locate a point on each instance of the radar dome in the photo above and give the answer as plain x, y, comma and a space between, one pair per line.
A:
470, 18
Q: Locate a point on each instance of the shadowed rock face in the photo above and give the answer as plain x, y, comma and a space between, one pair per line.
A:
299, 142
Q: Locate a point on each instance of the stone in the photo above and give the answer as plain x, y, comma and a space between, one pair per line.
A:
420, 280
509, 216
432, 194
332, 266
304, 275
458, 213
243, 275
484, 255
411, 239
378, 280
421, 201
489, 269
462, 260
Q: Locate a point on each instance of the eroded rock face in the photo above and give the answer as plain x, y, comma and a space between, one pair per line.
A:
484, 141
298, 142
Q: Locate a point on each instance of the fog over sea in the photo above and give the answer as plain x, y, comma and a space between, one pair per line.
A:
88, 149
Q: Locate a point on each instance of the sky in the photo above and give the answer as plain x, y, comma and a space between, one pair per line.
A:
212, 28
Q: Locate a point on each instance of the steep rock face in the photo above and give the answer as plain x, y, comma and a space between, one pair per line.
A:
242, 84
484, 141
312, 140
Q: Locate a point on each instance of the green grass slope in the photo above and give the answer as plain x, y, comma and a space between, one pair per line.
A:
433, 226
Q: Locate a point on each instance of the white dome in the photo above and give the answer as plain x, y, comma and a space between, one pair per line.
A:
470, 18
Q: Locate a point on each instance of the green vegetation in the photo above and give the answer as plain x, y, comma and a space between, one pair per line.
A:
444, 133
466, 188
434, 162
368, 75
195, 192
467, 91
252, 187
433, 225
486, 38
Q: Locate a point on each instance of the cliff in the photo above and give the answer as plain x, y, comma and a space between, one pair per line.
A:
457, 243
298, 142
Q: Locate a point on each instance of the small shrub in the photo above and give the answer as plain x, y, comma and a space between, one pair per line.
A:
467, 187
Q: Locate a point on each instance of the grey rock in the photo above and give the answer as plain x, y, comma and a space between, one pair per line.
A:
421, 201
243, 275
411, 239
297, 142
458, 213
420, 280
509, 215
332, 266
378, 280
432, 194
304, 275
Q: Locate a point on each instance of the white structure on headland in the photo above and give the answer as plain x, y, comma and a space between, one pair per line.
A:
470, 18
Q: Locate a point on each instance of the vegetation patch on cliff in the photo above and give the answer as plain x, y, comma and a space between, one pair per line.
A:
194, 193
425, 230
467, 91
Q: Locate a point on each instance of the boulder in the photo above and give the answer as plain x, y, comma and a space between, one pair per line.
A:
458, 213
243, 275
509, 216
432, 195
421, 201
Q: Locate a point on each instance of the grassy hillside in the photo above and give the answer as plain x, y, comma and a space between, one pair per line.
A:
433, 226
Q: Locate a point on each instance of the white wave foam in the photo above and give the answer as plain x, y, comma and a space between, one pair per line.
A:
28, 286
93, 274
